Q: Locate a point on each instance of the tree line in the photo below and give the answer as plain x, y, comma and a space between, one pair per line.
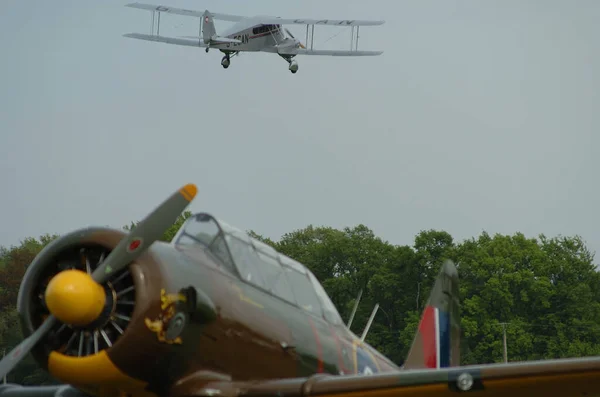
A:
545, 291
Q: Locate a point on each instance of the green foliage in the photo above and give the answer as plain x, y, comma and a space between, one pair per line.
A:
546, 290
13, 264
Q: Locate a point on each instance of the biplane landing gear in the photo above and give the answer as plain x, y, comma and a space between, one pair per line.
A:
225, 61
293, 64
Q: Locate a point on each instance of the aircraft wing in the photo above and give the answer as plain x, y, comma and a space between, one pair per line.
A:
306, 51
264, 21
189, 42
335, 53
184, 12
168, 40
556, 378
328, 22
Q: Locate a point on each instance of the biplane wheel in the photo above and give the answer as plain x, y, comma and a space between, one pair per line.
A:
206, 50
225, 62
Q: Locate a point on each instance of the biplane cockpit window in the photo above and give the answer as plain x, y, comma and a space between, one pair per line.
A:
264, 29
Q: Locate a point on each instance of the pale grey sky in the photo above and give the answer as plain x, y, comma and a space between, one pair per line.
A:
480, 115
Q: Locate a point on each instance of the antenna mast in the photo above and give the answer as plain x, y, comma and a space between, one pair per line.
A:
354, 309
4, 354
366, 331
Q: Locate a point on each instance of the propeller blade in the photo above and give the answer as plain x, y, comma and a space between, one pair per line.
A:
20, 352
145, 233
292, 36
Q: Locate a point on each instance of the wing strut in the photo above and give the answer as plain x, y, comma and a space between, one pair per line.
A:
354, 35
155, 22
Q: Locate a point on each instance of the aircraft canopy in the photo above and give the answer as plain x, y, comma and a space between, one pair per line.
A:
258, 264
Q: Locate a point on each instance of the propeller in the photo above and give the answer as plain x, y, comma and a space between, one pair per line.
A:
292, 36
129, 248
145, 233
14, 357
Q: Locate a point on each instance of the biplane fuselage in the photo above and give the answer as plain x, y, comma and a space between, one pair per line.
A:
252, 39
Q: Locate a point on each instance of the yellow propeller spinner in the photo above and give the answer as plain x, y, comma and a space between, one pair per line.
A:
75, 298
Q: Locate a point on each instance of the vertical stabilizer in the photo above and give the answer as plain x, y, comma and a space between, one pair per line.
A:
437, 341
208, 27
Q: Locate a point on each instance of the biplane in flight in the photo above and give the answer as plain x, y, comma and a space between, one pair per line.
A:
252, 34
218, 313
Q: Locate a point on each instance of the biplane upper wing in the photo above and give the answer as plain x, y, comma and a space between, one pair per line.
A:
264, 21
556, 378
184, 12
328, 22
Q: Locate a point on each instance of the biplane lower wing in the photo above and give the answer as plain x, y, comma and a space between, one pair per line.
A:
556, 378
165, 39
335, 53
180, 41
292, 51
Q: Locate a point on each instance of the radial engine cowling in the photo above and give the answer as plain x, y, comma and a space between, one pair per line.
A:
83, 250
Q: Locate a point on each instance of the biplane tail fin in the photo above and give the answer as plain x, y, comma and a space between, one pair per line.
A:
208, 27
437, 340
